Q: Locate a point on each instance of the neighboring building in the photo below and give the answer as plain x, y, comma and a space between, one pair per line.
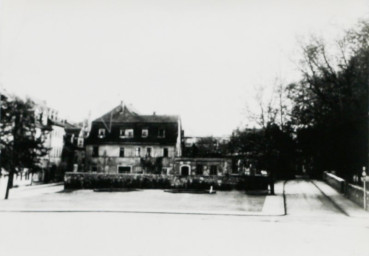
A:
203, 166
54, 140
45, 119
122, 141
74, 149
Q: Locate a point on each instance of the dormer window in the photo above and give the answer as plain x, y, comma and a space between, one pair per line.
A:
145, 133
161, 133
126, 133
101, 133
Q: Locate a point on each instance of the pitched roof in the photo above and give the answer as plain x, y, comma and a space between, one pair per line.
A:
71, 126
122, 114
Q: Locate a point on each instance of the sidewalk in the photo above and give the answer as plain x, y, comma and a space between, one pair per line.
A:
274, 204
346, 205
236, 203
28, 190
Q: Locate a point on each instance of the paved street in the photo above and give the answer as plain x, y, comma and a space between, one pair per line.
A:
314, 225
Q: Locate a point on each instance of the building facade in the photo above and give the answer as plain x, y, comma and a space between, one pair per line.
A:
54, 140
189, 166
122, 141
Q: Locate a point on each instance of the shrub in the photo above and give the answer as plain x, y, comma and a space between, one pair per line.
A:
161, 181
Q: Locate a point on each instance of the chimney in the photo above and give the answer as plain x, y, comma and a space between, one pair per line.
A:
154, 114
122, 106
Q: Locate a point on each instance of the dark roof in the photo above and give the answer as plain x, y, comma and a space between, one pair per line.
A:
122, 114
69, 126
56, 123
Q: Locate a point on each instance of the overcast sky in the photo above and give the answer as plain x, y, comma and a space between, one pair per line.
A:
200, 59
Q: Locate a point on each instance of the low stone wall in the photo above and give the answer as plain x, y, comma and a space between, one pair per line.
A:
161, 181
356, 194
336, 182
352, 192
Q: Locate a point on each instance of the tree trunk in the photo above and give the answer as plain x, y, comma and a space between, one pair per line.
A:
272, 178
10, 183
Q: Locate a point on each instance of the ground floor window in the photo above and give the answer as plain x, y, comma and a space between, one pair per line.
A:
124, 169
94, 168
165, 170
138, 151
185, 170
165, 152
148, 152
95, 151
213, 170
199, 169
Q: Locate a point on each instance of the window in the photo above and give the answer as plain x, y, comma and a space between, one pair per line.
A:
161, 133
165, 152
124, 169
145, 133
165, 170
121, 152
148, 152
80, 142
213, 170
199, 169
138, 151
185, 170
95, 151
94, 169
126, 133
72, 139
101, 133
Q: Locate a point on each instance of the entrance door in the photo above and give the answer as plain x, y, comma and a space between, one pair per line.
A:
185, 170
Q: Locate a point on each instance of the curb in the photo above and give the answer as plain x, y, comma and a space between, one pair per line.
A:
38, 186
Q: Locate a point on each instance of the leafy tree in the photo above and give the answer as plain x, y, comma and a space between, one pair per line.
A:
21, 138
330, 109
268, 148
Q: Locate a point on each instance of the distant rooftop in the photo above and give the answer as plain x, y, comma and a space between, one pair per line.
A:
122, 114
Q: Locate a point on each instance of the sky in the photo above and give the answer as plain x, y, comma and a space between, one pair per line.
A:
204, 60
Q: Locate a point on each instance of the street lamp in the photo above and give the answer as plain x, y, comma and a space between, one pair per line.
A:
363, 174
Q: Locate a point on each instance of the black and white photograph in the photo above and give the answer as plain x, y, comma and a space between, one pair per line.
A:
184, 127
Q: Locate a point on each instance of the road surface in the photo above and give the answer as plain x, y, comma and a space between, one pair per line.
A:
313, 226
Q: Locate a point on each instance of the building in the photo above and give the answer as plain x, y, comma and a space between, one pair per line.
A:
74, 150
49, 125
54, 140
201, 166
123, 141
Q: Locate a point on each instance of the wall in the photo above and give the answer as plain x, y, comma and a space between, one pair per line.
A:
130, 150
356, 194
109, 160
55, 141
352, 192
336, 182
224, 165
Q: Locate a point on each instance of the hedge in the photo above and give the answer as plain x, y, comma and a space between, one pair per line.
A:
161, 181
